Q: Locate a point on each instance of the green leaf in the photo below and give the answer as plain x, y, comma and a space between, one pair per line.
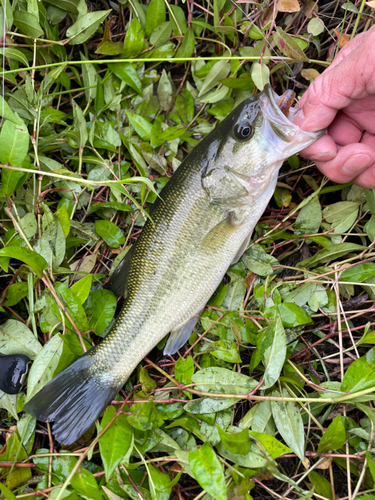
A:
16, 293
330, 252
309, 218
141, 125
260, 75
370, 464
336, 212
14, 143
358, 273
273, 350
81, 288
178, 20
222, 380
44, 367
165, 91
64, 219
102, 304
292, 315
27, 23
114, 205
187, 47
86, 26
7, 113
127, 73
184, 370
90, 78
148, 384
271, 444
209, 405
172, 133
207, 470
218, 72
73, 307
161, 485
30, 258
161, 34
244, 82
115, 443
321, 484
80, 125
54, 235
225, 350
15, 55
155, 15
16, 338
237, 442
85, 484
334, 437
134, 40
258, 261
315, 26
289, 423
288, 46
110, 233
8, 495
145, 416
361, 374
9, 181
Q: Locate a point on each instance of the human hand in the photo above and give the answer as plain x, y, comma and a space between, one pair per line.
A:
342, 98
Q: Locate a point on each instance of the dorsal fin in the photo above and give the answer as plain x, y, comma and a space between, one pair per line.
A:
117, 283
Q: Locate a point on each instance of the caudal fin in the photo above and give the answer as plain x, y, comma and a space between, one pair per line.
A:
73, 400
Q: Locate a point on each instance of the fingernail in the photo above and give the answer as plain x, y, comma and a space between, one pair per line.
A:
356, 163
327, 155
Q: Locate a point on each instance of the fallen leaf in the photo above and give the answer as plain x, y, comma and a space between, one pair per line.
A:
325, 464
371, 4
85, 266
310, 74
288, 6
306, 463
343, 38
310, 7
267, 17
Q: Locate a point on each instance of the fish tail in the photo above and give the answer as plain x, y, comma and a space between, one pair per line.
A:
74, 399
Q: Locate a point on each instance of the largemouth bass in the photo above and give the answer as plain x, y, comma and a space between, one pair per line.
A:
201, 224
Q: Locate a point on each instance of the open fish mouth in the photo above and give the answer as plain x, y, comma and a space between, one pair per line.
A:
279, 113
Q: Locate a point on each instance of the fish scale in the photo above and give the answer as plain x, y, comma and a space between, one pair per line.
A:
201, 224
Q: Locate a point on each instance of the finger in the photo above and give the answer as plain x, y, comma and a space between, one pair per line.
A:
349, 163
368, 139
348, 48
344, 130
367, 178
351, 78
323, 149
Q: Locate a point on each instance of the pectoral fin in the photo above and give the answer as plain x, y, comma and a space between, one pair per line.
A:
179, 337
220, 233
117, 283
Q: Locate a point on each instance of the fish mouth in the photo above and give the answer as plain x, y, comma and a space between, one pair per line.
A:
280, 114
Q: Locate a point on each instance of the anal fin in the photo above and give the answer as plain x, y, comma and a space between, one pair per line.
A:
179, 337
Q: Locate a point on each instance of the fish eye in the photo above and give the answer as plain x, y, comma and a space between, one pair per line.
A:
243, 131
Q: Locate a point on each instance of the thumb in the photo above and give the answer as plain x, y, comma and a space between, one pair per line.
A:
351, 78
325, 96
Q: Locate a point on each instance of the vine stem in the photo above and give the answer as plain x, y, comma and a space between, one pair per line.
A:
161, 60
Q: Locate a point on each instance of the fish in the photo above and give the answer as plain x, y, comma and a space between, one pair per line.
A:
201, 224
